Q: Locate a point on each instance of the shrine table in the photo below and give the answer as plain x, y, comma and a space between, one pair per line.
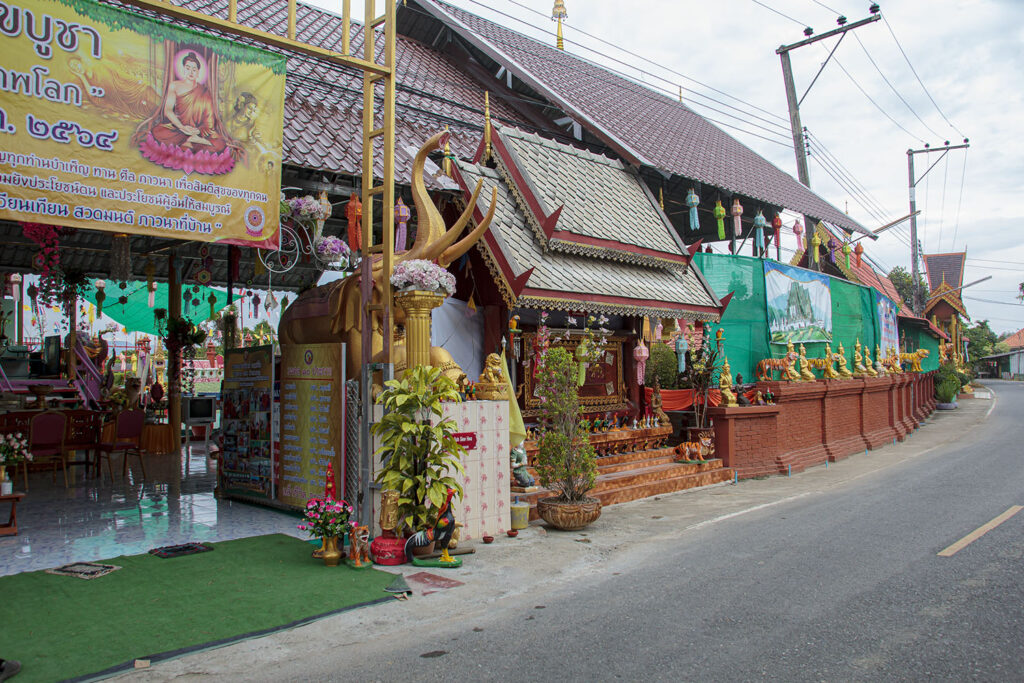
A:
11, 528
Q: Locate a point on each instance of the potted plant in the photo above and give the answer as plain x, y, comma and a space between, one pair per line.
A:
328, 520
947, 387
565, 460
419, 458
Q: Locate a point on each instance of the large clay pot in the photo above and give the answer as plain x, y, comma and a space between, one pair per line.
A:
568, 516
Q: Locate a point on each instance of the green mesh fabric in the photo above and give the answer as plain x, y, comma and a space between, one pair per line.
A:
745, 323
917, 338
853, 317
137, 316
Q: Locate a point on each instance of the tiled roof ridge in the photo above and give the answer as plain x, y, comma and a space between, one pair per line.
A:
623, 255
562, 147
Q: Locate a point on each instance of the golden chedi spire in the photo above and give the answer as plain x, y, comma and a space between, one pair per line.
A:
558, 13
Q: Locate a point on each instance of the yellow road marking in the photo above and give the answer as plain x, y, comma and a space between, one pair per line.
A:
979, 532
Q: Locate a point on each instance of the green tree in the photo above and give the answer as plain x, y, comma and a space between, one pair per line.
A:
902, 280
982, 340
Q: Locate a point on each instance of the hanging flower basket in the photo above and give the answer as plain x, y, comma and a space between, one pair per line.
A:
331, 250
305, 209
420, 274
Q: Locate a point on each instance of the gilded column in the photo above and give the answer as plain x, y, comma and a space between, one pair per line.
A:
417, 305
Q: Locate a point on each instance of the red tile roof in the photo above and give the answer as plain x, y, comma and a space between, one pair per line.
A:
642, 125
1016, 340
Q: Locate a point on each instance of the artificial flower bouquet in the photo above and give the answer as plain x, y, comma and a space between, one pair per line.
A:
305, 208
423, 274
332, 249
326, 517
14, 449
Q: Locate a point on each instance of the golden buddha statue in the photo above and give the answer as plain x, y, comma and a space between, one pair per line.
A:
806, 375
859, 371
844, 371
830, 363
871, 372
725, 385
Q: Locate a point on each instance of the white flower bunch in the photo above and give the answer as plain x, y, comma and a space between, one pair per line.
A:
423, 274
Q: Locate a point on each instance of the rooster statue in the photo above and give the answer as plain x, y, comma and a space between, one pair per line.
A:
441, 534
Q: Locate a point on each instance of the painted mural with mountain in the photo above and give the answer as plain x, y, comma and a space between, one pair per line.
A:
799, 304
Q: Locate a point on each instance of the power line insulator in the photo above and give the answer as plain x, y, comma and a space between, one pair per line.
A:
808, 31
841, 20
874, 9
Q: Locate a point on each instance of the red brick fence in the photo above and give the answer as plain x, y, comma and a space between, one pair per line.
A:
817, 421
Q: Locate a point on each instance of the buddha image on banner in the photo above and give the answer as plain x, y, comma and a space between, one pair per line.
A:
113, 121
799, 304
888, 332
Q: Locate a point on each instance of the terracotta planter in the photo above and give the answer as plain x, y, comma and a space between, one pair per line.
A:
568, 516
423, 550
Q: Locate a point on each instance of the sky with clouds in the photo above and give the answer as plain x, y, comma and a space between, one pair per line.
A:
969, 54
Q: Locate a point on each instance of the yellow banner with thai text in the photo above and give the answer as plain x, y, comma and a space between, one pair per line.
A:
112, 121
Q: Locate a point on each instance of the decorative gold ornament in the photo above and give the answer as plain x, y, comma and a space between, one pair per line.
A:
844, 371
859, 370
805, 367
389, 510
331, 554
725, 385
492, 385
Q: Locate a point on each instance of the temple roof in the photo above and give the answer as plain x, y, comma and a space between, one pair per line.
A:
644, 127
584, 203
945, 267
529, 276
945, 293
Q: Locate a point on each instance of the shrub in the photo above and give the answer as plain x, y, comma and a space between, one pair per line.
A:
664, 365
566, 461
947, 389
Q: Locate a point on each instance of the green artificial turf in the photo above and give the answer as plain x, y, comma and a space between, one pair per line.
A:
63, 627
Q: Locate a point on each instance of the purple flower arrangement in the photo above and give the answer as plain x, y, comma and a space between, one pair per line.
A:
423, 274
305, 208
332, 249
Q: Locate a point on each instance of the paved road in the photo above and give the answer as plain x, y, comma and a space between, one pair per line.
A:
829, 575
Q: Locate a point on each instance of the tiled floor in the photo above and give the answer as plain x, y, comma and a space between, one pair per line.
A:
94, 520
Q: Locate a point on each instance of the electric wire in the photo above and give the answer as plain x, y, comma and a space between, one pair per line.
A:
993, 301
963, 174
670, 92
662, 66
821, 4
891, 86
851, 186
817, 143
870, 99
903, 52
772, 9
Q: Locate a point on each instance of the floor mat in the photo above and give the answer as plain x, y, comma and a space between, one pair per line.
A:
169, 551
83, 570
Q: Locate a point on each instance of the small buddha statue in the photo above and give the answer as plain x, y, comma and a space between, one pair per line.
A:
806, 375
830, 363
725, 385
871, 372
879, 364
859, 371
844, 371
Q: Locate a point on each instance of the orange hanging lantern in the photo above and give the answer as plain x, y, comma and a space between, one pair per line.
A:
354, 213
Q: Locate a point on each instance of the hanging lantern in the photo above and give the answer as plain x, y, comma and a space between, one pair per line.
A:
777, 228
682, 346
213, 302
150, 271
692, 200
816, 246
354, 213
759, 225
16, 286
858, 252
402, 216
846, 254
833, 247
798, 230
120, 257
737, 224
658, 329
640, 354
719, 213
582, 351
100, 297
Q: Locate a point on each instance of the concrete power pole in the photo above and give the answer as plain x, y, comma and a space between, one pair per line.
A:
799, 145
915, 250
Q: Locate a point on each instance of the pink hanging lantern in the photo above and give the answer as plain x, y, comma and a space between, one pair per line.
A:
640, 354
402, 216
798, 230
737, 224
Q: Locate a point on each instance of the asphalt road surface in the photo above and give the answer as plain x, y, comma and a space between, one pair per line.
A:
833, 582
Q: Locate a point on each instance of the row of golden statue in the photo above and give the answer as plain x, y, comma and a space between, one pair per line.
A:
797, 367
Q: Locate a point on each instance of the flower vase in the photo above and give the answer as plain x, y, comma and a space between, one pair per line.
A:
332, 554
6, 485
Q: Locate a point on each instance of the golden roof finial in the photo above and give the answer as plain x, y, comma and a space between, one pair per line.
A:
661, 197
446, 165
487, 126
558, 13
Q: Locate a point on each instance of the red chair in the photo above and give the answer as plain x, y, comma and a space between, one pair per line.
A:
83, 433
127, 440
46, 440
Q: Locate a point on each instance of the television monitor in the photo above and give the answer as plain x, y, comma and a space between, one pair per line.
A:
200, 409
51, 355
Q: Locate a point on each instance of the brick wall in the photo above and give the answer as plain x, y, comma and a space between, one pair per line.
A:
818, 421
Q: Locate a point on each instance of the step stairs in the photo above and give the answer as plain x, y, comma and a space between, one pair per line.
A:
631, 476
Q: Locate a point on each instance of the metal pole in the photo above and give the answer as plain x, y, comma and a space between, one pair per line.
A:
914, 275
794, 120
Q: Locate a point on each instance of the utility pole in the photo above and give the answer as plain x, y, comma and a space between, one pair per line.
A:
915, 249
799, 145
